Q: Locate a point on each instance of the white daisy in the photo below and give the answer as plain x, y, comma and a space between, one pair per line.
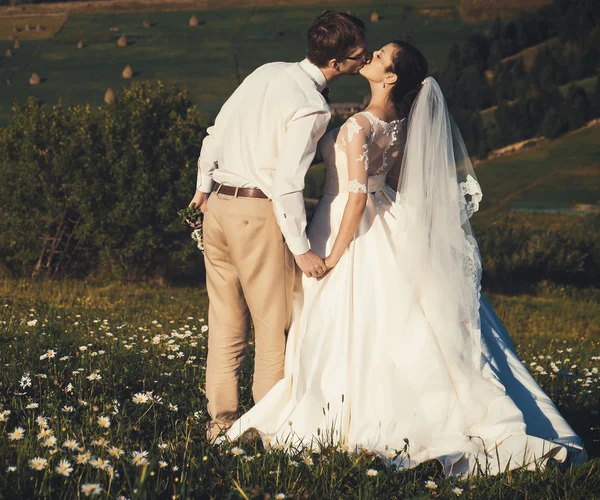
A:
38, 463
64, 468
17, 434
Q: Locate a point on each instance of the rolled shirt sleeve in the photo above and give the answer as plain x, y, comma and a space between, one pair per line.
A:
302, 134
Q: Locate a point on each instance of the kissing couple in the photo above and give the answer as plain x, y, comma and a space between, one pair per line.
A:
370, 328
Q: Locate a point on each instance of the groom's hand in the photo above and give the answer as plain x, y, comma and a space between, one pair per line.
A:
200, 200
311, 264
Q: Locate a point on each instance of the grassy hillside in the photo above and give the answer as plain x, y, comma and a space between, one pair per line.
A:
207, 59
555, 175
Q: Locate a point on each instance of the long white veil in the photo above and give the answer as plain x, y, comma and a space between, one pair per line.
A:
437, 194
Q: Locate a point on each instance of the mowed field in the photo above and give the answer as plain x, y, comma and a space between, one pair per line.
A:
210, 59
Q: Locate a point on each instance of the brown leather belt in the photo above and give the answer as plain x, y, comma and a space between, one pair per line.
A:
238, 192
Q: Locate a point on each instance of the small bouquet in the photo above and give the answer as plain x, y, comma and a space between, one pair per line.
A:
193, 214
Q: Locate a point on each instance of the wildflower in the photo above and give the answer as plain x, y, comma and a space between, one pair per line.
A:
64, 468
457, 491
308, 461
42, 422
4, 415
371, 472
91, 489
293, 463
51, 353
204, 328
82, 458
33, 322
162, 446
44, 433
38, 463
140, 398
115, 452
94, 376
173, 407
430, 485
25, 381
11, 468
139, 458
17, 434
99, 463
68, 409
175, 468
104, 421
71, 444
280, 496
32, 406
236, 452
49, 441
162, 464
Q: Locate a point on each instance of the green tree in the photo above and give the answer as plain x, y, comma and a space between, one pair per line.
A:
98, 190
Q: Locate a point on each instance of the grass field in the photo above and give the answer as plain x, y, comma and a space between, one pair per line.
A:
109, 378
556, 175
208, 59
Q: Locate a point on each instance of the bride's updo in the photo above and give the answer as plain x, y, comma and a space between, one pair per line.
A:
411, 67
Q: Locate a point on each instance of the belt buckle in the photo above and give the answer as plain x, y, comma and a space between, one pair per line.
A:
235, 195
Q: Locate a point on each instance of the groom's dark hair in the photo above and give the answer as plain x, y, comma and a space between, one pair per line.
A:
333, 35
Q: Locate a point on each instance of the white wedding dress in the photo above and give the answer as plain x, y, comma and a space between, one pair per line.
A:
367, 368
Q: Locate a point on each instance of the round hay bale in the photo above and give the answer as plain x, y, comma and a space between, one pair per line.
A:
17, 44
8, 53
194, 21
40, 27
147, 23
80, 44
122, 42
35, 79
109, 96
27, 27
375, 17
15, 29
127, 73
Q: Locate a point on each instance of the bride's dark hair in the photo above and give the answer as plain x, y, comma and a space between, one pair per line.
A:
411, 67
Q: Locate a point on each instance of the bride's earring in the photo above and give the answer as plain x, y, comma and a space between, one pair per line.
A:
383, 84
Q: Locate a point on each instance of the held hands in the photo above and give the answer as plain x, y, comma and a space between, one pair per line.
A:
311, 264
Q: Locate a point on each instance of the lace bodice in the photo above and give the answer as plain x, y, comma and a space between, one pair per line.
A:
360, 153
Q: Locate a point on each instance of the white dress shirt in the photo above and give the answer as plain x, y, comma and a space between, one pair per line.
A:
265, 136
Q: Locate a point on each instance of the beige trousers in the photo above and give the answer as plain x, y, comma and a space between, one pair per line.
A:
249, 273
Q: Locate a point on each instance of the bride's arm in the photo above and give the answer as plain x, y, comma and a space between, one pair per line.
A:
356, 133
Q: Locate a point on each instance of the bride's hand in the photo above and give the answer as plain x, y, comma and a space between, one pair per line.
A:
330, 264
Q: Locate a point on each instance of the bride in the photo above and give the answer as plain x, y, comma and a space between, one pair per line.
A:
394, 348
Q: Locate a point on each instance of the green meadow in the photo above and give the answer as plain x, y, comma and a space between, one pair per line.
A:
210, 59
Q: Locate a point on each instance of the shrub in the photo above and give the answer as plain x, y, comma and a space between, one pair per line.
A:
112, 179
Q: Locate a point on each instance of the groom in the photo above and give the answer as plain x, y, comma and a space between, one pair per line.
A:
250, 179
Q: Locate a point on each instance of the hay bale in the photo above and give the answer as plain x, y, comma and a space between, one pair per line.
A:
127, 73
17, 44
109, 96
35, 79
8, 53
122, 42
194, 21
375, 17
40, 27
27, 27
147, 23
80, 44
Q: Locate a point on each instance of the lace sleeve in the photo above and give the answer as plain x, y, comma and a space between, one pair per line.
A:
357, 131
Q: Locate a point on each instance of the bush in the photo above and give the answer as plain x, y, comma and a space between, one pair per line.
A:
98, 190
516, 255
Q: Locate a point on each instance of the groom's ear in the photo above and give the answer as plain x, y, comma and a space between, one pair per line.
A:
333, 64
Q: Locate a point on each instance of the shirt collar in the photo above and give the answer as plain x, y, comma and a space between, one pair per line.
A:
315, 73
